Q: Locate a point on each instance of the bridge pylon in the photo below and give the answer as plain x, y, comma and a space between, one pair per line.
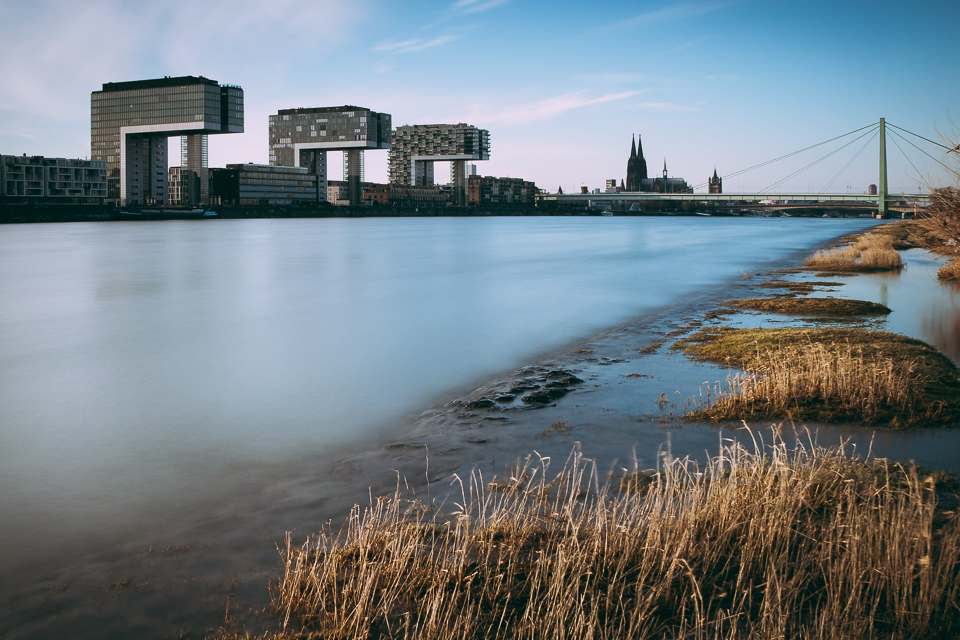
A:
882, 192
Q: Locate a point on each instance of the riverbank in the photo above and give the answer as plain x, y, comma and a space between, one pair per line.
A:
510, 401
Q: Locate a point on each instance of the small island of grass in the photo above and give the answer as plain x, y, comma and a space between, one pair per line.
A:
870, 252
814, 306
830, 375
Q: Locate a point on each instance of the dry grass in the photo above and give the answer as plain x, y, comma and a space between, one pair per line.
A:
816, 306
950, 271
801, 543
870, 252
827, 375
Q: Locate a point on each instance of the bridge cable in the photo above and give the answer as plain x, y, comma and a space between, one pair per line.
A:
819, 144
894, 140
942, 146
910, 142
815, 162
847, 166
763, 164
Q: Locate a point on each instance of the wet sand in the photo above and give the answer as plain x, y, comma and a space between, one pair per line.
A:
613, 413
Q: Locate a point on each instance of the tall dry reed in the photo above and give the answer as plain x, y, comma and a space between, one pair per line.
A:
778, 543
871, 252
833, 381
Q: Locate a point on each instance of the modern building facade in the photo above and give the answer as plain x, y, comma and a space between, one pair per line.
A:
490, 190
40, 180
302, 137
261, 184
416, 147
131, 121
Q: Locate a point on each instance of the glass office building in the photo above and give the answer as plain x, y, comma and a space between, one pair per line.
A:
131, 121
302, 137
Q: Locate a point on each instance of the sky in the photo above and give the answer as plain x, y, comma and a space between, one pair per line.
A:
561, 85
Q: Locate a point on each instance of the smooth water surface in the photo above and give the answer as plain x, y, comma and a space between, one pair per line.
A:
147, 368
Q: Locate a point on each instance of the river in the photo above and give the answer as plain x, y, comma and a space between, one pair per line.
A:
152, 374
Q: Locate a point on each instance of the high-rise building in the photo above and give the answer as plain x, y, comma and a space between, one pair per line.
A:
131, 121
302, 137
415, 149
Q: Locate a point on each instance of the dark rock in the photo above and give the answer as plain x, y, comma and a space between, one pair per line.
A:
505, 398
481, 403
564, 376
537, 397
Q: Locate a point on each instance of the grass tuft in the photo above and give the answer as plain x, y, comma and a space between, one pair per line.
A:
778, 543
870, 252
950, 271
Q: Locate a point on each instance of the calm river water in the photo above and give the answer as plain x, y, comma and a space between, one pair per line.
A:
146, 369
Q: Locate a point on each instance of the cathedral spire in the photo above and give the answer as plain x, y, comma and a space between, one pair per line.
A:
664, 168
633, 147
640, 147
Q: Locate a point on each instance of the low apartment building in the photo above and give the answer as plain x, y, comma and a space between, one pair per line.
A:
40, 180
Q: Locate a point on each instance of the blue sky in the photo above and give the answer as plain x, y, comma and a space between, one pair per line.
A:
560, 85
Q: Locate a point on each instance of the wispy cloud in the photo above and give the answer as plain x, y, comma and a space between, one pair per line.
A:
679, 11
722, 76
415, 44
544, 109
476, 6
690, 43
666, 106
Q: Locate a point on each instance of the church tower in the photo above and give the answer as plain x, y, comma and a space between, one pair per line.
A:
636, 167
715, 184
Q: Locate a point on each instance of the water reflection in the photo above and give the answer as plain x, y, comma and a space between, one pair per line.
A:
923, 307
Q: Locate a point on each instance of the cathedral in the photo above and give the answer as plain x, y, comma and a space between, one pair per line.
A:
637, 179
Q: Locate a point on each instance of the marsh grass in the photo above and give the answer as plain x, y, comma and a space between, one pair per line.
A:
828, 375
825, 306
780, 543
950, 271
870, 252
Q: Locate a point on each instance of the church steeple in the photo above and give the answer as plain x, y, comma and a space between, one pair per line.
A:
664, 168
633, 147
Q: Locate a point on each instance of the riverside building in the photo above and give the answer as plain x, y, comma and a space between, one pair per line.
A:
40, 180
490, 190
302, 137
131, 121
261, 184
416, 147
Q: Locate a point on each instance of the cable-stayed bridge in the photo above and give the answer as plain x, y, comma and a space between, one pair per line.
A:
881, 203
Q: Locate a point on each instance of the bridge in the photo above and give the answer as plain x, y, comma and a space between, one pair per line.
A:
880, 204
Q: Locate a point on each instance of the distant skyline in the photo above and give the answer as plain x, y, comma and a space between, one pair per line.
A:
561, 86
